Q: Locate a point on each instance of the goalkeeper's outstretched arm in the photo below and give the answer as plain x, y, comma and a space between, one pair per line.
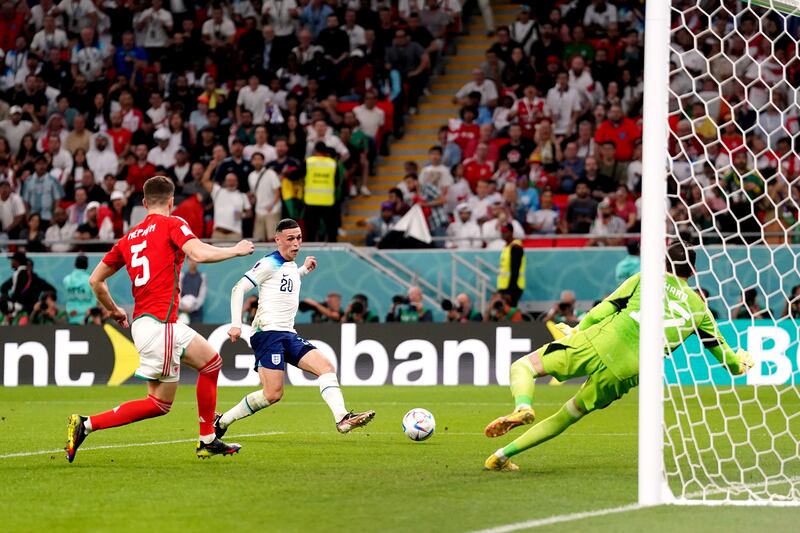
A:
612, 304
738, 362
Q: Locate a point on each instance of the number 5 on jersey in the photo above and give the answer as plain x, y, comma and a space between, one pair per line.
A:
140, 261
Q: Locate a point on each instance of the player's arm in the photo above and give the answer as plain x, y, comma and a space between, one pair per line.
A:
201, 252
97, 281
308, 266
738, 362
612, 304
259, 274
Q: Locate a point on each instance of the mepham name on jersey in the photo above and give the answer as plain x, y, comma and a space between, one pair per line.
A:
141, 232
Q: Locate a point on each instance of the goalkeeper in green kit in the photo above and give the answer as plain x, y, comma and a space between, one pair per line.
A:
605, 347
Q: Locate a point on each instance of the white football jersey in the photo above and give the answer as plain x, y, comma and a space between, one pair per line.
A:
278, 282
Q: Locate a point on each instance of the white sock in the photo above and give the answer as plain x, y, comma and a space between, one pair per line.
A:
499, 454
87, 425
522, 406
207, 439
332, 394
250, 404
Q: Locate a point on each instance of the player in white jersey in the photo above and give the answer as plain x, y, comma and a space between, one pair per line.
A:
274, 339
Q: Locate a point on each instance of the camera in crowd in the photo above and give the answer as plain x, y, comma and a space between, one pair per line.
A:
448, 305
357, 307
399, 299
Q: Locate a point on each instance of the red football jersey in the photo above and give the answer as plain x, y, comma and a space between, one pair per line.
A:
153, 255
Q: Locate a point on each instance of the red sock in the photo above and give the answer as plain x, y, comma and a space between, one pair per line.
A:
207, 394
130, 412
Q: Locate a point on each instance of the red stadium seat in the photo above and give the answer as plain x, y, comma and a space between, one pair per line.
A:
572, 243
537, 243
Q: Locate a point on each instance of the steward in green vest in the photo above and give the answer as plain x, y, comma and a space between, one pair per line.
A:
320, 195
511, 278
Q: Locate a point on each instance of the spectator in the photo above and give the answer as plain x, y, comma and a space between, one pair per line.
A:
461, 310
524, 30
60, 231
315, 16
79, 137
235, 164
563, 105
599, 15
500, 309
379, 226
322, 132
527, 197
90, 228
546, 220
265, 196
564, 309
79, 14
412, 63
479, 84
435, 173
370, 117
12, 210
24, 287
101, 158
354, 31
329, 311
571, 168
14, 128
478, 167
481, 204
625, 209
41, 192
76, 213
492, 231
464, 232
253, 97
261, 146
80, 297
230, 207
792, 307
749, 308
613, 171
605, 225
622, 131
60, 159
194, 286
89, 56
162, 156
322, 182
581, 209
46, 311
518, 149
358, 311
429, 196
410, 308
334, 41
630, 264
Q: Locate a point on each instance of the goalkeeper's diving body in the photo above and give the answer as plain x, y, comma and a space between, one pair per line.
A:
605, 347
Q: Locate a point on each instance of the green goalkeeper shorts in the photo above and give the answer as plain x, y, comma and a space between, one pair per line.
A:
573, 357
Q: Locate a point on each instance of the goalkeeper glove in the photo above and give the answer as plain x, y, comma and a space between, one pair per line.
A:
560, 330
744, 360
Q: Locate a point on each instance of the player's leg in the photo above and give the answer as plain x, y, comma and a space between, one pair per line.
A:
151, 339
268, 347
270, 393
599, 391
316, 363
522, 377
200, 355
157, 403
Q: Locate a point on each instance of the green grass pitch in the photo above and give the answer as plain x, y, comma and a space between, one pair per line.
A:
296, 473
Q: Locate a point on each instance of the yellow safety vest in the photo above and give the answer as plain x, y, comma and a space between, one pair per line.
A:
504, 277
320, 184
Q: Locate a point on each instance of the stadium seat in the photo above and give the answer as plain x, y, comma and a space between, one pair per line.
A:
537, 243
576, 242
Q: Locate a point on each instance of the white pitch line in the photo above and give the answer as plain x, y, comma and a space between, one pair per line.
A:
131, 445
274, 433
559, 519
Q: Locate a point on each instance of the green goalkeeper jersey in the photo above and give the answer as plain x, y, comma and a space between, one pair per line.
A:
612, 327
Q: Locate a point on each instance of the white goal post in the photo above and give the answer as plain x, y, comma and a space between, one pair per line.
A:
727, 186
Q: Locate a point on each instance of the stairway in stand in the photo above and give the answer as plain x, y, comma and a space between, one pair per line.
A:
421, 129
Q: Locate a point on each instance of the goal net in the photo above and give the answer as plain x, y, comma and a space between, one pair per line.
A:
733, 194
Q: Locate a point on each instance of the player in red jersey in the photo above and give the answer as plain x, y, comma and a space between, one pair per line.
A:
153, 254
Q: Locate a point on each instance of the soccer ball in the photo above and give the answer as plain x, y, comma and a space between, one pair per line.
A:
418, 424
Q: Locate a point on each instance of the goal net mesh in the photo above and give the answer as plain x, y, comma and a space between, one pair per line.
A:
734, 195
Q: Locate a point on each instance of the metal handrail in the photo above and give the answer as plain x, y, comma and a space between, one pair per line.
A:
362, 253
